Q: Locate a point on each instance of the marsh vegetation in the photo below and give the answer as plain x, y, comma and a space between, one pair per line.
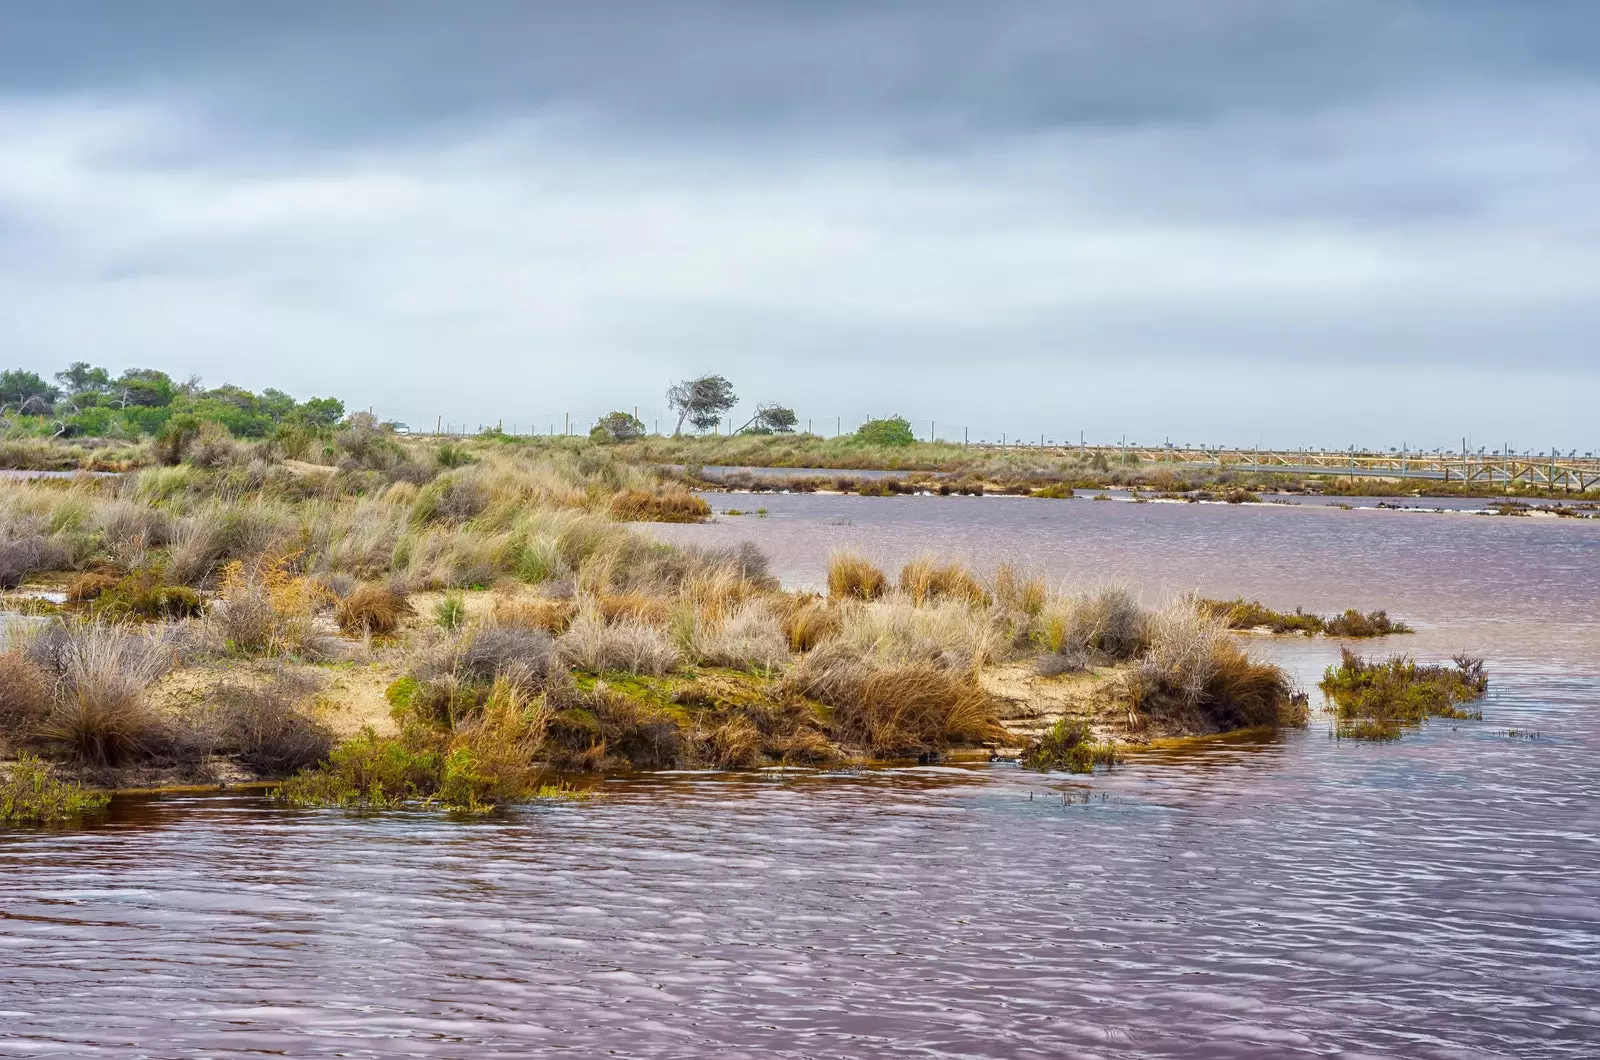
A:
451, 623
1377, 700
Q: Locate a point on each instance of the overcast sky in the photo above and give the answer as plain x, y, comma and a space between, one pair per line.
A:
1285, 222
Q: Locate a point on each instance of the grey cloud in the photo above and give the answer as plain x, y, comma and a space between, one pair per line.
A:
938, 198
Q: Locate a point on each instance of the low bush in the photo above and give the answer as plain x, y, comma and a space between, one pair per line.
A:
1372, 700
1354, 624
853, 577
1194, 669
143, 594
1252, 614
30, 793
269, 610
30, 554
268, 728
87, 586
1068, 745
451, 683
487, 761
372, 608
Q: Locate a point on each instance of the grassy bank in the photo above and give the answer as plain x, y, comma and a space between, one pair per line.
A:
946, 467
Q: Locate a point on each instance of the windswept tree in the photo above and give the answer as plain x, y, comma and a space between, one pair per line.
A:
27, 393
701, 401
770, 418
617, 427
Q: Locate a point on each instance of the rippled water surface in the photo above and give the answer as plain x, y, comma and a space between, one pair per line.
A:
1439, 897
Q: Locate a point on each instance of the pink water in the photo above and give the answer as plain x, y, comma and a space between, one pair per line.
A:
1298, 896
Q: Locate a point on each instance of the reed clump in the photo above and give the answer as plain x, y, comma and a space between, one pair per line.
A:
100, 712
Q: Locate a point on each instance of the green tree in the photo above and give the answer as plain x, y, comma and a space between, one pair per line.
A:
144, 388
278, 405
80, 377
770, 418
701, 401
319, 412
26, 392
894, 430
616, 427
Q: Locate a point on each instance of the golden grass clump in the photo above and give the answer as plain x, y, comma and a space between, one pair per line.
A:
897, 709
1015, 593
810, 623
537, 612
894, 630
853, 577
662, 505
925, 580
372, 608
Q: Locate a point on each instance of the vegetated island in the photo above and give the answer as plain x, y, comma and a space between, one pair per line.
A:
372, 619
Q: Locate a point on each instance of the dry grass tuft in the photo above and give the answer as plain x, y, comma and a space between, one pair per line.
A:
906, 708
591, 644
101, 715
552, 616
1195, 668
925, 580
852, 577
810, 624
1015, 593
753, 639
663, 505
372, 608
24, 697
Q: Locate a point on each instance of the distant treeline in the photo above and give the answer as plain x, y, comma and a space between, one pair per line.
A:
86, 401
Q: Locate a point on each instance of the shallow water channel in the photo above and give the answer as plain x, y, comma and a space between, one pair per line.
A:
1297, 896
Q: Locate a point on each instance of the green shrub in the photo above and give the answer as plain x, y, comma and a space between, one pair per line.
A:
1068, 745
31, 794
1372, 700
451, 611
894, 430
